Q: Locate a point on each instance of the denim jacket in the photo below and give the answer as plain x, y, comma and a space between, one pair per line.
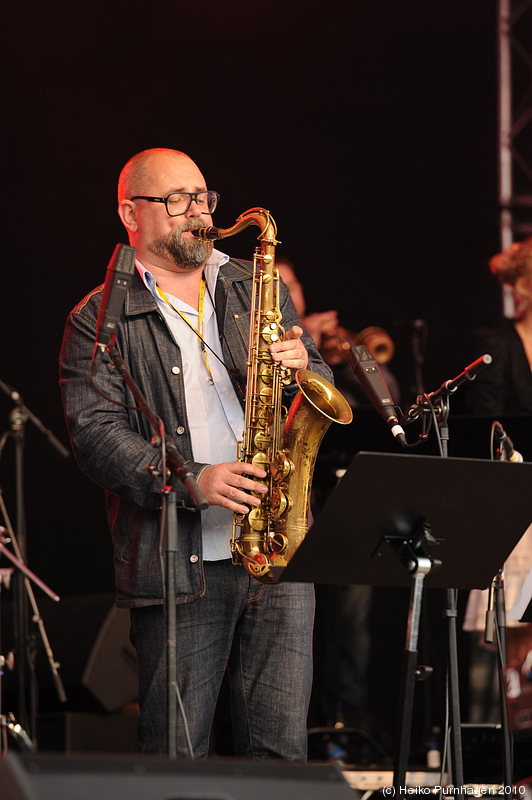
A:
112, 442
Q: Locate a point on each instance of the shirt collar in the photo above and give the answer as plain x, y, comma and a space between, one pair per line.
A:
212, 267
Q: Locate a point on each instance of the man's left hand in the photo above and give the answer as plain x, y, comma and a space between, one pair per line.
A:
291, 352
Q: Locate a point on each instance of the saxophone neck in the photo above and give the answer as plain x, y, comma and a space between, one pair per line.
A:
253, 216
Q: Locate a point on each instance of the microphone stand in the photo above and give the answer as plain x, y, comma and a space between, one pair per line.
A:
36, 616
418, 340
437, 404
25, 653
173, 466
496, 621
9, 722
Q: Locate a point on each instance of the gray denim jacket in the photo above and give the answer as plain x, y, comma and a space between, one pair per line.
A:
112, 443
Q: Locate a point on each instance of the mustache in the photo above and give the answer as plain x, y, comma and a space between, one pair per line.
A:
194, 225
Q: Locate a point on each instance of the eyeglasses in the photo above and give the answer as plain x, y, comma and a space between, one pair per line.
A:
178, 203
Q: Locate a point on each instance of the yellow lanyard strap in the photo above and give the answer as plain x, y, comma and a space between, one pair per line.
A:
186, 319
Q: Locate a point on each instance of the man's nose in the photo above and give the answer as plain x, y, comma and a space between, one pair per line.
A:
194, 209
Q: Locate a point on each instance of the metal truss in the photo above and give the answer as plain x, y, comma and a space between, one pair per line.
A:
515, 119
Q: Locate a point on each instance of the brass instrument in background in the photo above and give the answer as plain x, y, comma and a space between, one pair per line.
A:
271, 533
378, 342
335, 349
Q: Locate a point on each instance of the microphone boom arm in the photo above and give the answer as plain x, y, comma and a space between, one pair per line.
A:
425, 403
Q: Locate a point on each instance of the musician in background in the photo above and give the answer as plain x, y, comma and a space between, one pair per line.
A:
505, 387
183, 334
342, 638
322, 324
334, 342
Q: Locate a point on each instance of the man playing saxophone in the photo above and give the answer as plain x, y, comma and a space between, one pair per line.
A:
183, 334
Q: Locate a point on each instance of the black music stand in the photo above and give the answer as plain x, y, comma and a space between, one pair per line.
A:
407, 520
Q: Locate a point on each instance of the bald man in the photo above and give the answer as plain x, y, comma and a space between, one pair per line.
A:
183, 334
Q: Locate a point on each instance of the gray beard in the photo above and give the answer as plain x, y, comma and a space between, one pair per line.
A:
184, 253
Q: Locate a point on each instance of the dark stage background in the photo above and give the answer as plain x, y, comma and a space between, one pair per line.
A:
368, 128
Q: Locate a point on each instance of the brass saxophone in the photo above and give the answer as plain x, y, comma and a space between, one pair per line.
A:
285, 448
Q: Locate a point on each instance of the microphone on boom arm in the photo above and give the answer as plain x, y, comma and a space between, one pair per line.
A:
370, 378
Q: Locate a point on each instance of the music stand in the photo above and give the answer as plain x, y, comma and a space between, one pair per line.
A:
377, 526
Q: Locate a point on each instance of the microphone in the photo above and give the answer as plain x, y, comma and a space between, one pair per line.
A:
119, 272
370, 378
506, 447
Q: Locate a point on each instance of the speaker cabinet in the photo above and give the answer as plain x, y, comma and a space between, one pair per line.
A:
158, 778
89, 637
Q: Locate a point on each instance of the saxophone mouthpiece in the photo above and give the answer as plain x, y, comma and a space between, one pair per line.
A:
208, 234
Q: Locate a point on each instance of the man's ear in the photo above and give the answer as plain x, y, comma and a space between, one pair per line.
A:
127, 211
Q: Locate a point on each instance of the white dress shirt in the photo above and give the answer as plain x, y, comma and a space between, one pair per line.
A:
215, 417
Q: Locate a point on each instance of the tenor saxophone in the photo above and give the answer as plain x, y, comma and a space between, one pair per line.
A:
285, 445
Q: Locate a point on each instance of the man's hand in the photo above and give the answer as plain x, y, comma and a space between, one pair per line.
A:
226, 485
321, 325
291, 352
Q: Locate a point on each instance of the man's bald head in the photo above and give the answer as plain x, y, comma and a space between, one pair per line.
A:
136, 174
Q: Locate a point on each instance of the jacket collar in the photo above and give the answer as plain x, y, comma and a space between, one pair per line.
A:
140, 301
235, 270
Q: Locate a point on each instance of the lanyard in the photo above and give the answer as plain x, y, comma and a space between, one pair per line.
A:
184, 317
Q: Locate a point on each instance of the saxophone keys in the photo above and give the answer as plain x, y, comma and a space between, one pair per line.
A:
266, 374
280, 503
261, 460
270, 333
279, 543
257, 519
265, 396
262, 441
281, 466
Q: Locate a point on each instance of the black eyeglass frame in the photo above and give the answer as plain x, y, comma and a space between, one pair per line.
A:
191, 196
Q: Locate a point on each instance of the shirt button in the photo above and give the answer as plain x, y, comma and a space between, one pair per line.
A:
180, 430
176, 370
193, 559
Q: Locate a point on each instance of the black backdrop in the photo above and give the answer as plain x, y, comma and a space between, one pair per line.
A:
367, 127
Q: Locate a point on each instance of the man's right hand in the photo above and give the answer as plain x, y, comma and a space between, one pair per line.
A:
227, 485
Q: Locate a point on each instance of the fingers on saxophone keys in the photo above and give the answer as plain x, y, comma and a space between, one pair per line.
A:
238, 507
237, 497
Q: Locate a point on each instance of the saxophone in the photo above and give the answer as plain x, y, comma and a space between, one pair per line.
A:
284, 445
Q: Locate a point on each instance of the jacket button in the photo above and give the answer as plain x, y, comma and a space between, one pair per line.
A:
180, 430
176, 370
193, 559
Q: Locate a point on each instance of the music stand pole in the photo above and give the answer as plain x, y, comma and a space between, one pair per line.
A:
409, 674
451, 614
